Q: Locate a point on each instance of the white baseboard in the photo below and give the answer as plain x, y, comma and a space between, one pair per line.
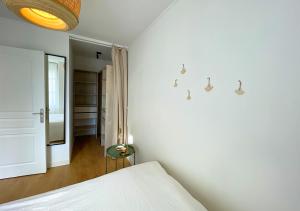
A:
56, 164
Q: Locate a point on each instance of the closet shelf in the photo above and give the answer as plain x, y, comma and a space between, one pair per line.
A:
88, 95
85, 103
85, 82
85, 127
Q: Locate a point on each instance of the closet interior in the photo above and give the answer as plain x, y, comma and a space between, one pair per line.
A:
85, 103
92, 66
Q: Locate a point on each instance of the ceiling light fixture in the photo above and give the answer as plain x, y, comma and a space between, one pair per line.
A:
62, 15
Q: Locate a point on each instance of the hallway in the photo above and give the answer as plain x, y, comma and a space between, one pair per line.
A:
88, 162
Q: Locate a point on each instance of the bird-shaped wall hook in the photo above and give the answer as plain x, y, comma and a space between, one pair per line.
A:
209, 87
183, 70
176, 83
240, 90
189, 97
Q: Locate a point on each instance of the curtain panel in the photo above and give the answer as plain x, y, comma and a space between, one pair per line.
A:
119, 96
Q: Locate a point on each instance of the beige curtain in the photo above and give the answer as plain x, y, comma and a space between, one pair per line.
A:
119, 96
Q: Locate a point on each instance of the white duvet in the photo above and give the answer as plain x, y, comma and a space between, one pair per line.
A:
56, 127
143, 187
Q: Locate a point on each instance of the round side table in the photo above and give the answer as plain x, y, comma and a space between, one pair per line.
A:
113, 153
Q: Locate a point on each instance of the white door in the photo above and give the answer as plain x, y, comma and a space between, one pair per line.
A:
22, 97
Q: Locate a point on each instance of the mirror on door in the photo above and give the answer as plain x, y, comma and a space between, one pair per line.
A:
56, 99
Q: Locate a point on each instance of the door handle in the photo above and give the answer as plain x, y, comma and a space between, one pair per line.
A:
42, 114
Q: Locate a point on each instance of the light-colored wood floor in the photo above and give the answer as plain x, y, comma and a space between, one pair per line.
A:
88, 162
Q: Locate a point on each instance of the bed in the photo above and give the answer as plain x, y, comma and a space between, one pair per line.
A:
56, 127
145, 187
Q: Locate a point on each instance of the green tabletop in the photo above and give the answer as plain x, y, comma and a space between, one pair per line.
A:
114, 153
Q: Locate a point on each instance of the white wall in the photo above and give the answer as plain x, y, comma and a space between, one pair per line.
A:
234, 153
90, 64
22, 35
71, 97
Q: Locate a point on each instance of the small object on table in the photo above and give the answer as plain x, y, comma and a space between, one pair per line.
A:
121, 148
120, 152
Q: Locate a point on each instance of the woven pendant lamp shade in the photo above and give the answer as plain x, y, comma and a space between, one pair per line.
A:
60, 15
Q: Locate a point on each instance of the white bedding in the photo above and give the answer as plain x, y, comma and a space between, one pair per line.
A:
143, 187
56, 127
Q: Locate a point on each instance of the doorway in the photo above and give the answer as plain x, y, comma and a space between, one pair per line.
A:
89, 63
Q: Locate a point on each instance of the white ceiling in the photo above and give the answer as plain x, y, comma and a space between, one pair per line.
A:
116, 21
6, 13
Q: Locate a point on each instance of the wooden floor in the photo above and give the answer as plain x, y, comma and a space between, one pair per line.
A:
88, 162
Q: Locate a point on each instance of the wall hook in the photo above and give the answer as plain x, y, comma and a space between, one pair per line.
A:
240, 90
209, 87
189, 97
183, 70
176, 83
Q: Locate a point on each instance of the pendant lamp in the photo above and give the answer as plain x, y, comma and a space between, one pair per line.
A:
62, 15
